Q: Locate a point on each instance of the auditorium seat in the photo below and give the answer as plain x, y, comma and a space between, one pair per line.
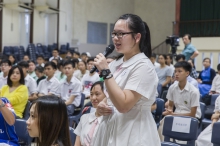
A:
39, 49
159, 90
26, 112
164, 95
31, 52
15, 50
202, 107
46, 52
72, 136
7, 50
215, 134
21, 53
159, 110
63, 49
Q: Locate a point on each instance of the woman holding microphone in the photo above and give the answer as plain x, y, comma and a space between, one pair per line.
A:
131, 83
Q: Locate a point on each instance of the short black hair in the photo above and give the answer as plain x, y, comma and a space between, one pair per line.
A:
101, 83
153, 55
75, 60
207, 59
21, 81
189, 36
40, 69
179, 56
60, 63
164, 56
52, 64
57, 60
170, 55
56, 50
84, 54
82, 62
69, 62
90, 59
40, 56
77, 53
185, 65
5, 61
218, 67
24, 64
31, 61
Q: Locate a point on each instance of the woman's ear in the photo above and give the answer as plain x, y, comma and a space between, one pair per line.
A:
137, 37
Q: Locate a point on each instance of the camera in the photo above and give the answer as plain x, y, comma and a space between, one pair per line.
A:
173, 41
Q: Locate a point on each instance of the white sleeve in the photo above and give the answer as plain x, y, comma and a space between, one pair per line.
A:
80, 126
214, 84
169, 72
77, 88
169, 93
33, 87
217, 104
55, 87
58, 91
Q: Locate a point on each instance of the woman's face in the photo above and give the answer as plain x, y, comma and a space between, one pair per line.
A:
32, 123
126, 43
15, 76
11, 58
81, 66
31, 67
206, 63
96, 95
161, 59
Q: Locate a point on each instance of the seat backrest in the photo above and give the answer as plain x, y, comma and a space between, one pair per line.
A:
169, 144
159, 110
215, 134
203, 108
7, 50
189, 137
159, 89
164, 95
214, 97
21, 131
72, 136
27, 110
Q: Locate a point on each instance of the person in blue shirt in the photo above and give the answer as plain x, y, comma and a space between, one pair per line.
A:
7, 120
189, 51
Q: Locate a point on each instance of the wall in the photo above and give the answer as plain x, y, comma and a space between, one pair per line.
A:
159, 15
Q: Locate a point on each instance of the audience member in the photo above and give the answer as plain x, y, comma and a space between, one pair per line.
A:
84, 130
57, 62
51, 83
189, 51
29, 81
40, 60
89, 79
12, 59
76, 55
39, 70
169, 62
215, 89
5, 67
61, 75
205, 136
184, 96
48, 122
84, 57
206, 77
26, 58
8, 135
31, 69
193, 73
15, 90
69, 54
70, 89
82, 70
55, 55
153, 59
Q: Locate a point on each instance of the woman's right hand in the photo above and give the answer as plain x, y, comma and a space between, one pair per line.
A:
103, 109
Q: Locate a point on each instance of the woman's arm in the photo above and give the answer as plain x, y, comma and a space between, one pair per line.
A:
168, 80
77, 142
7, 114
20, 95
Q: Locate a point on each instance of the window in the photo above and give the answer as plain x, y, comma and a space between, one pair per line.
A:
24, 29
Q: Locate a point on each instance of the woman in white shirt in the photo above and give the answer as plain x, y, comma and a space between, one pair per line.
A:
205, 136
89, 123
131, 88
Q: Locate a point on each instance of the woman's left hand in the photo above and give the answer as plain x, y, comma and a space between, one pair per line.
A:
100, 62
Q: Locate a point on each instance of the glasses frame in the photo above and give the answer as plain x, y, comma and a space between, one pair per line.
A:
120, 34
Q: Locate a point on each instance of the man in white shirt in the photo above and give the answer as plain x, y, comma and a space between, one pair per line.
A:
5, 67
184, 96
216, 83
51, 83
70, 89
153, 59
55, 55
40, 60
89, 79
29, 81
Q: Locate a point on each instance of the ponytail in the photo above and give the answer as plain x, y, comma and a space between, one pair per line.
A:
146, 41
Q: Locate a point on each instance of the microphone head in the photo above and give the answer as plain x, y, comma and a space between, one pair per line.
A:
110, 48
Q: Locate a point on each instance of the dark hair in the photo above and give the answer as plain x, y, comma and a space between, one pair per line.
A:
84, 54
77, 53
180, 56
57, 60
207, 59
27, 56
170, 55
83, 62
68, 58
23, 64
14, 59
39, 69
52, 64
90, 59
153, 55
56, 50
52, 121
40, 56
188, 35
136, 25
218, 67
21, 81
31, 61
164, 56
185, 65
69, 52
69, 62
5, 61
101, 83
46, 59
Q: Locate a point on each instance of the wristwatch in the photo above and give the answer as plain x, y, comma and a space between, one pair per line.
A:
2, 104
108, 77
104, 73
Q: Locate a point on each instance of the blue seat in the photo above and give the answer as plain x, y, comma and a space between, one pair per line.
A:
202, 107
189, 137
215, 134
213, 99
159, 90
21, 53
164, 95
7, 51
63, 49
159, 110
169, 144
72, 136
15, 50
22, 133
26, 112
74, 119
31, 52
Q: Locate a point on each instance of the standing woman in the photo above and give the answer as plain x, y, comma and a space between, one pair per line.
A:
131, 82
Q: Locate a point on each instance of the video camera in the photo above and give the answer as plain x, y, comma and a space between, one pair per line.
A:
174, 42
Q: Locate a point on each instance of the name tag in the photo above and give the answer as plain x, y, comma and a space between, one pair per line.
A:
181, 125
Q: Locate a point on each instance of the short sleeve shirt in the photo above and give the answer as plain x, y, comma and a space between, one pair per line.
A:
216, 84
217, 104
31, 84
163, 73
45, 87
3, 80
188, 51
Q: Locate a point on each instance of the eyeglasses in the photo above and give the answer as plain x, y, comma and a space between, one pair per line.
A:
4, 65
120, 34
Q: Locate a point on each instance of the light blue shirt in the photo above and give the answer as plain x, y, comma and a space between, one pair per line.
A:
188, 51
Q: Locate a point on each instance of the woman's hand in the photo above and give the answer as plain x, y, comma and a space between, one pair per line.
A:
167, 112
100, 62
103, 109
215, 116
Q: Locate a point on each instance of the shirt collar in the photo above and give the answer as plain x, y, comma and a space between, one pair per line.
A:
92, 118
187, 45
27, 77
51, 80
71, 81
185, 88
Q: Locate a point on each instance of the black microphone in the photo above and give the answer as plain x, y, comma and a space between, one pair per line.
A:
107, 52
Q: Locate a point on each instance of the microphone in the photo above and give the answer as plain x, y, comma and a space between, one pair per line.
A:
107, 52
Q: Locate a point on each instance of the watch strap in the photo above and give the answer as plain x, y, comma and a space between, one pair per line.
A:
109, 76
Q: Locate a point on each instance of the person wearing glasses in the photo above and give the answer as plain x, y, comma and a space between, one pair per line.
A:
131, 83
5, 67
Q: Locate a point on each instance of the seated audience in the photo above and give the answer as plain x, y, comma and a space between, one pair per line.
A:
26, 58
55, 55
153, 59
164, 72
216, 83
8, 135
31, 69
206, 77
193, 73
39, 70
15, 90
29, 81
48, 122
205, 136
40, 60
12, 59
69, 54
82, 70
184, 96
89, 79
5, 67
76, 55
89, 123
51, 83
70, 89
169, 62
61, 75
84, 56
